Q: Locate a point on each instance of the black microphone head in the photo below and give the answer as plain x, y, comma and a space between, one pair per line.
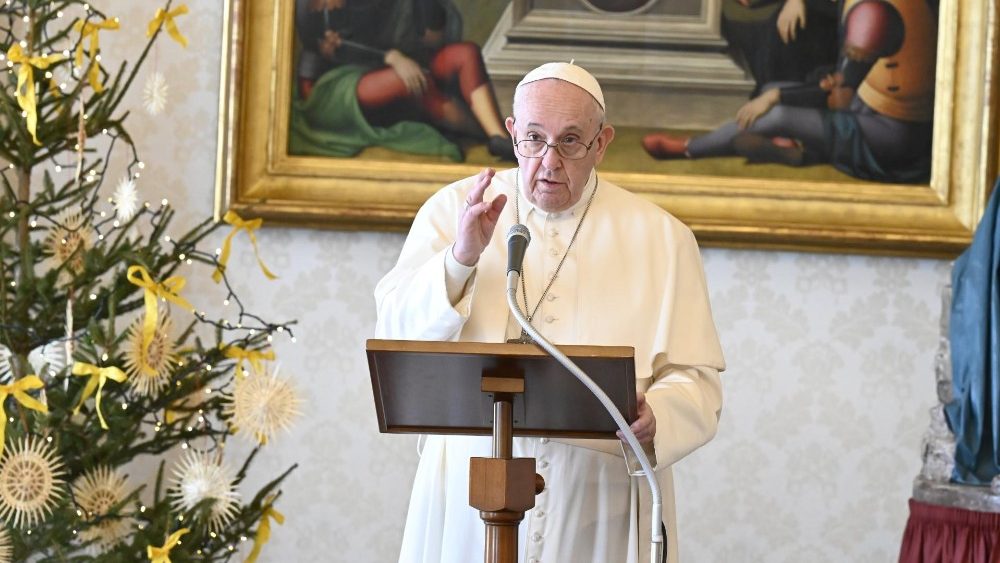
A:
518, 230
517, 241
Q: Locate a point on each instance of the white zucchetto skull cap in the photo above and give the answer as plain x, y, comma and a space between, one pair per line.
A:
567, 72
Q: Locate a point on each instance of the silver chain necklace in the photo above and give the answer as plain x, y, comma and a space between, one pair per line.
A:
524, 292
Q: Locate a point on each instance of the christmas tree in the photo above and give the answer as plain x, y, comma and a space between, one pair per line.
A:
103, 358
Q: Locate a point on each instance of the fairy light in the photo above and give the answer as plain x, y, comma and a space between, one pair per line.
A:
93, 296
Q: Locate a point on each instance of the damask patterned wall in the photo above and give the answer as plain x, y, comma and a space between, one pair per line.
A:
829, 381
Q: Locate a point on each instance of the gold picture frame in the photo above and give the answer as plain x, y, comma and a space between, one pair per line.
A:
257, 177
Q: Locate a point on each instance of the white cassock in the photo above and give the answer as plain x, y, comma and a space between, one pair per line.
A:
633, 277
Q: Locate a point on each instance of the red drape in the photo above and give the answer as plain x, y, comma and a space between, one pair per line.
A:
941, 534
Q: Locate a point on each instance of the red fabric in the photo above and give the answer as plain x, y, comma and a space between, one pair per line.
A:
940, 534
460, 63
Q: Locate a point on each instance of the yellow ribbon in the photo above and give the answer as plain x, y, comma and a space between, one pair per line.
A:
264, 531
255, 357
168, 17
19, 390
168, 290
26, 82
162, 554
88, 30
98, 377
249, 226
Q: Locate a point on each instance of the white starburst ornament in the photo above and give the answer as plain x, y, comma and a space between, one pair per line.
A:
48, 359
98, 491
67, 242
5, 356
6, 549
262, 404
30, 482
126, 199
201, 476
154, 93
149, 370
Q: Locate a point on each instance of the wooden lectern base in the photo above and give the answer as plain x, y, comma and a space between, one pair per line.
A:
502, 488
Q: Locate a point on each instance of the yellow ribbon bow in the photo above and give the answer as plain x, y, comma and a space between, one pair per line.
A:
89, 30
19, 390
249, 226
98, 377
168, 17
167, 290
162, 554
264, 531
255, 357
26, 82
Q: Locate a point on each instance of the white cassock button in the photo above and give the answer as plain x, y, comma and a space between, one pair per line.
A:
543, 464
540, 513
536, 537
544, 440
550, 319
553, 232
533, 560
551, 297
554, 252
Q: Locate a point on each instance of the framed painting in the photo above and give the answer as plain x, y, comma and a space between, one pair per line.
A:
347, 114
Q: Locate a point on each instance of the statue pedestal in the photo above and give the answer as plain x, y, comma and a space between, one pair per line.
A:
656, 68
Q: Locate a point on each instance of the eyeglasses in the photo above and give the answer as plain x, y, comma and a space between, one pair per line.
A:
571, 149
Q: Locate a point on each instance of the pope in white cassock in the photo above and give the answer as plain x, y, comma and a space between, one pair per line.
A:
604, 267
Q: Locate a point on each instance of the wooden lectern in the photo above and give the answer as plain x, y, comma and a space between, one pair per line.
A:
505, 390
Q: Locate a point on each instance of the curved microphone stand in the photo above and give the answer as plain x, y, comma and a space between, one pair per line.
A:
658, 543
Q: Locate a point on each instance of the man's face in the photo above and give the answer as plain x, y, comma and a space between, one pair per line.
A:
555, 111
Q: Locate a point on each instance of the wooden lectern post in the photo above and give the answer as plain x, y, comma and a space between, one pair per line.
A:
500, 487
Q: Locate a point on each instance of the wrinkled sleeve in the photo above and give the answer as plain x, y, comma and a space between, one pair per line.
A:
685, 391
687, 403
412, 299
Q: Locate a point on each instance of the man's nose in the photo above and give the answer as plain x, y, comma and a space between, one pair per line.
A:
552, 159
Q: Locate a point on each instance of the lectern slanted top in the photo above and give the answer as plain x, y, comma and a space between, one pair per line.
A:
435, 388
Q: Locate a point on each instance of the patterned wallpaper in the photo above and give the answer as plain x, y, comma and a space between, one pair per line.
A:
829, 382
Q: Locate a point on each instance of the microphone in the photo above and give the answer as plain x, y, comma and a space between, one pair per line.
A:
517, 242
